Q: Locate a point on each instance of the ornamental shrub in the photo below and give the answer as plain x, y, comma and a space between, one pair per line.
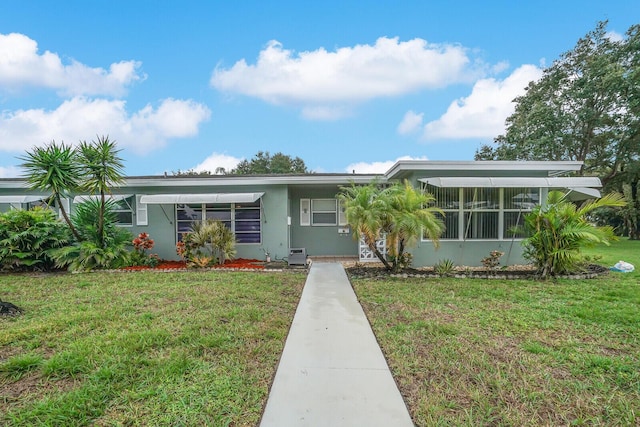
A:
27, 238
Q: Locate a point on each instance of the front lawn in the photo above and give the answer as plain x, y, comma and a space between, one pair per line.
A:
186, 348
500, 352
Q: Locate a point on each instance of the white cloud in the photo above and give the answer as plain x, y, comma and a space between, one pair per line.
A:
319, 80
614, 36
10, 172
218, 160
411, 122
483, 113
21, 65
80, 118
377, 167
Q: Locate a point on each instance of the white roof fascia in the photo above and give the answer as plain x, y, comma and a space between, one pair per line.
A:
249, 181
582, 193
200, 198
114, 197
21, 199
519, 182
552, 167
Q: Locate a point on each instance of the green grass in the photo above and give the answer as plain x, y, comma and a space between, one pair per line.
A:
494, 352
178, 349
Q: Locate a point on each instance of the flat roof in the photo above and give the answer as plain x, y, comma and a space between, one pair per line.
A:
554, 168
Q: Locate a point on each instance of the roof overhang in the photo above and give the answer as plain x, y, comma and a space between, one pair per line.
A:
552, 168
21, 198
112, 197
517, 182
162, 199
580, 188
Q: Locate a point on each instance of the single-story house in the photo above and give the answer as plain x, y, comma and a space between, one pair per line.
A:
482, 201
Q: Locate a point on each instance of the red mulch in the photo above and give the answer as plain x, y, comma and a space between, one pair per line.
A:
173, 265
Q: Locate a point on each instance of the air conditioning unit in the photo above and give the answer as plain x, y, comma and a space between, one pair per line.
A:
297, 256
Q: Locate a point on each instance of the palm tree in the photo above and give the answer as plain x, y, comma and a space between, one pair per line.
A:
53, 168
101, 168
412, 213
400, 211
366, 210
559, 229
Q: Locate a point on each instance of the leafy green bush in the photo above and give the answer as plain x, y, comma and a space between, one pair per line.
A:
558, 231
100, 247
27, 238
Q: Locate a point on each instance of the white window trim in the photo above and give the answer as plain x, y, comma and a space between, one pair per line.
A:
305, 212
501, 211
142, 212
335, 211
232, 220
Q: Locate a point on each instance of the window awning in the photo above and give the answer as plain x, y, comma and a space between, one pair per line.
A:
519, 182
112, 197
200, 198
21, 199
580, 188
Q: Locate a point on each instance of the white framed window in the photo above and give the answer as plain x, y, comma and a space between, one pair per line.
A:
243, 219
324, 212
517, 203
123, 210
448, 200
480, 212
485, 213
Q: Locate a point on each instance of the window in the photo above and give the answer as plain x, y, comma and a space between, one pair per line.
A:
448, 199
123, 210
517, 203
481, 209
243, 219
324, 212
483, 213
121, 205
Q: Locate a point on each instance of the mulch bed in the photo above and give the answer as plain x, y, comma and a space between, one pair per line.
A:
238, 263
363, 271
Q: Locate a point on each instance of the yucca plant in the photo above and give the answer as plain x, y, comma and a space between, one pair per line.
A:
558, 230
101, 168
53, 168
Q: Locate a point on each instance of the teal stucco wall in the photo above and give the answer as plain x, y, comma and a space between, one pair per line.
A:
468, 253
162, 220
319, 240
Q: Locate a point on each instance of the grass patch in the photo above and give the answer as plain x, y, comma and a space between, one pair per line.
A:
187, 348
500, 352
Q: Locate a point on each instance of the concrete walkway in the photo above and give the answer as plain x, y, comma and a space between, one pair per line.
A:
332, 371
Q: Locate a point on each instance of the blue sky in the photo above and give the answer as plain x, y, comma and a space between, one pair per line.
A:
345, 85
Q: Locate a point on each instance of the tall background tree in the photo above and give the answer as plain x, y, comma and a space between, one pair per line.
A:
586, 107
264, 163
